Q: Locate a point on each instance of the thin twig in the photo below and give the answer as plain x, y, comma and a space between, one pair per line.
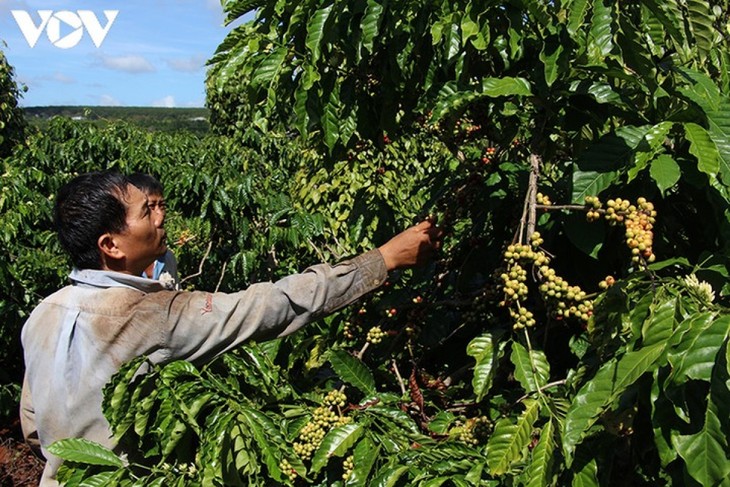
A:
360, 354
400, 379
535, 162
546, 386
316, 249
220, 279
202, 262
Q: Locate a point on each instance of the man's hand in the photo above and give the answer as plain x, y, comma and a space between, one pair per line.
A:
412, 246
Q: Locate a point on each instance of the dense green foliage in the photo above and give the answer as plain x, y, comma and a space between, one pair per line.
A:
12, 123
341, 122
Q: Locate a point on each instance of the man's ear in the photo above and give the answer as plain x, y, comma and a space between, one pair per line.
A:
108, 247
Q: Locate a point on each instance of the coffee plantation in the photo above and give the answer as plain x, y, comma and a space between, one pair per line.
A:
573, 329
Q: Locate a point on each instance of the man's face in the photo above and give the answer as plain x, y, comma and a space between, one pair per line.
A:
157, 204
144, 238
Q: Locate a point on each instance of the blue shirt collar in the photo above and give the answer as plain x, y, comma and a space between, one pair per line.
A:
108, 279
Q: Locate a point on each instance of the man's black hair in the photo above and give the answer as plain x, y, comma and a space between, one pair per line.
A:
146, 183
87, 207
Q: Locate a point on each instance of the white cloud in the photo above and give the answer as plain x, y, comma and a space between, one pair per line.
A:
167, 102
192, 64
128, 64
109, 101
62, 78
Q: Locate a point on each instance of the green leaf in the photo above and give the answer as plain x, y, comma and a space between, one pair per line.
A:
611, 380
694, 356
701, 22
269, 68
600, 37
587, 474
103, 479
483, 351
550, 55
117, 393
331, 120
396, 416
703, 148
85, 451
336, 443
267, 437
369, 25
660, 324
315, 32
539, 471
389, 475
706, 452
506, 86
508, 440
651, 144
702, 91
451, 100
352, 371
720, 134
576, 14
588, 183
665, 172
441, 423
364, 456
532, 369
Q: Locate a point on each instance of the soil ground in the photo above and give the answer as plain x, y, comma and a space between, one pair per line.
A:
19, 466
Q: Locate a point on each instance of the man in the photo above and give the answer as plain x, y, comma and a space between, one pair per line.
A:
79, 336
164, 268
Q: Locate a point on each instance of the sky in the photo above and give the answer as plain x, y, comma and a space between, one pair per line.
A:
151, 52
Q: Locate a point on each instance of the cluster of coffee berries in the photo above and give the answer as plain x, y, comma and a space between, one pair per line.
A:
288, 470
488, 155
391, 312
567, 301
616, 210
526, 253
535, 241
480, 304
514, 281
350, 330
543, 199
639, 235
335, 398
607, 282
517, 257
522, 318
476, 431
311, 435
375, 335
593, 204
348, 465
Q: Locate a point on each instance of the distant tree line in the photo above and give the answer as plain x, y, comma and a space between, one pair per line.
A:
162, 119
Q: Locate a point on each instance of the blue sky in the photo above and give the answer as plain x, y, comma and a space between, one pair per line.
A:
153, 54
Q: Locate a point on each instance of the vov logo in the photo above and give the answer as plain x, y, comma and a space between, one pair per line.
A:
75, 23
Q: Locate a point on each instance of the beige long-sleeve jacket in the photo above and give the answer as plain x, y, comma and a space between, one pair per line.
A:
78, 337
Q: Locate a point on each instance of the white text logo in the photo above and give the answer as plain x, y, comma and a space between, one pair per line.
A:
71, 24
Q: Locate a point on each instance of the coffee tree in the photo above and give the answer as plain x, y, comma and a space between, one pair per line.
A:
12, 123
573, 329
